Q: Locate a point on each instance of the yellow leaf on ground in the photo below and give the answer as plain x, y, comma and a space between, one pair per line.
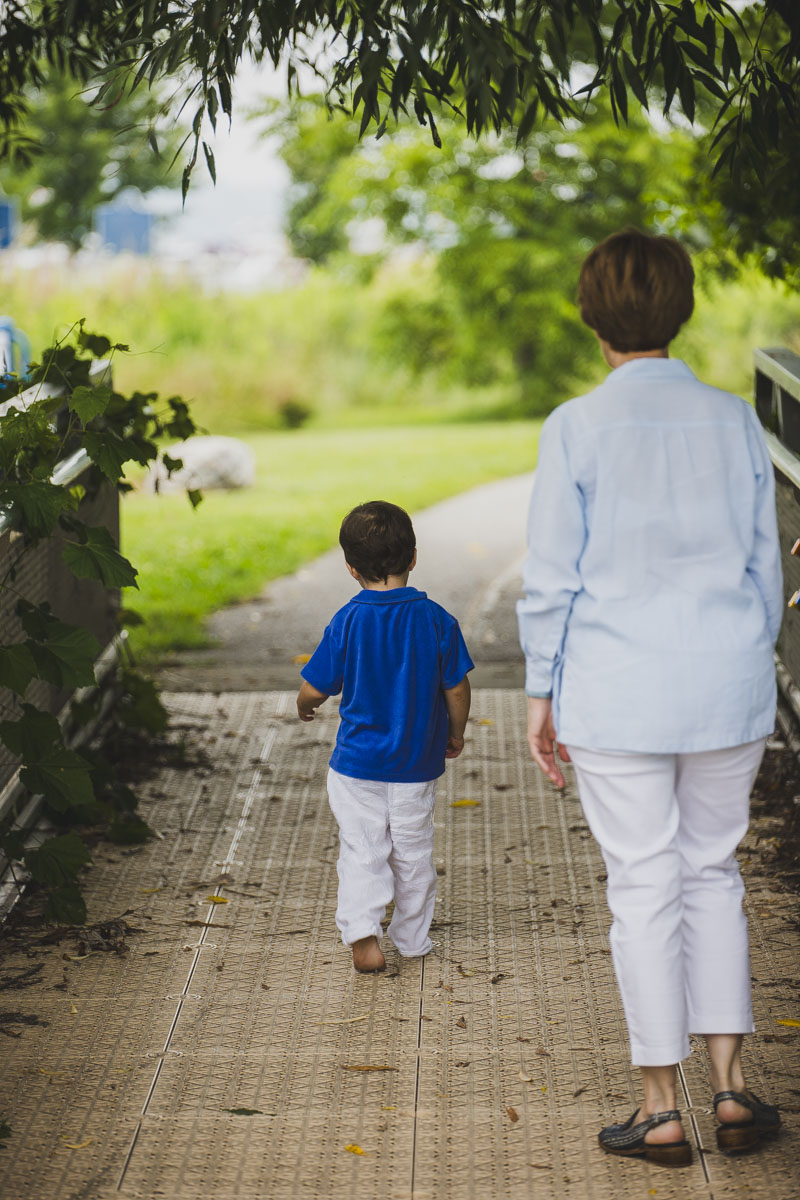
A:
486, 721
149, 891
388, 1108
513, 1115
790, 1021
73, 1012
300, 659
465, 803
75, 1145
217, 900
355, 1149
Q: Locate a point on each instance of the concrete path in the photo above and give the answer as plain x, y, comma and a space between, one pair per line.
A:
470, 553
232, 1053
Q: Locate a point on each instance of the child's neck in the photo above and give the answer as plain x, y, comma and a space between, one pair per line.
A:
384, 585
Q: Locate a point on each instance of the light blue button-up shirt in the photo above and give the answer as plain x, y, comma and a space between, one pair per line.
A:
652, 585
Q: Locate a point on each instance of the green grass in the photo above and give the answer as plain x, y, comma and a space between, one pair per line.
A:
193, 562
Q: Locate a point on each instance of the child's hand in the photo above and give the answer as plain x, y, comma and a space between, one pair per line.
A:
454, 746
308, 701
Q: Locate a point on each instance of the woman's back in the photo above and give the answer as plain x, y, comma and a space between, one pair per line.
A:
654, 508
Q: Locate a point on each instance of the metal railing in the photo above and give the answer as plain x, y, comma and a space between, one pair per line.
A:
777, 400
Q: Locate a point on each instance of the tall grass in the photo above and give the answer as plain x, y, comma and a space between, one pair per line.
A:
245, 360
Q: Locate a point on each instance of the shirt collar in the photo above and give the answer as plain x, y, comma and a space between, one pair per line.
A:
652, 368
392, 596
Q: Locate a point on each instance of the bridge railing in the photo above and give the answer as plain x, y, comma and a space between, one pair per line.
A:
777, 399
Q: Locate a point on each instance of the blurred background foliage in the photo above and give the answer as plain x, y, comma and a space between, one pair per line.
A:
87, 153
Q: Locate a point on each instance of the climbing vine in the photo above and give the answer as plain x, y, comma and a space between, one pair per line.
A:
86, 413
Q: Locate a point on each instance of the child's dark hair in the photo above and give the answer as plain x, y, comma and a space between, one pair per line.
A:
378, 540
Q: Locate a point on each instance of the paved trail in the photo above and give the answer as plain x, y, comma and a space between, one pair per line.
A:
470, 555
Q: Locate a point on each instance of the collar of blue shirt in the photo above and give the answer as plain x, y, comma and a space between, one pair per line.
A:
392, 596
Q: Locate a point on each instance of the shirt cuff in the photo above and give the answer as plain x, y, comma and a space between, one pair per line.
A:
538, 695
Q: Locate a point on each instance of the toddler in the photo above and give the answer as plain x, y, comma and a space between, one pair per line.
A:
401, 664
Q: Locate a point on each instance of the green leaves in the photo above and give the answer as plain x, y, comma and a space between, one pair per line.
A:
90, 402
38, 504
96, 557
62, 777
17, 667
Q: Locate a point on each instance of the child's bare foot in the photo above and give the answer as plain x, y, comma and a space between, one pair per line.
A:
367, 955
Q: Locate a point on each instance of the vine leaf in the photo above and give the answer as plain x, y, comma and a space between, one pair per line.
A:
96, 557
17, 667
33, 734
67, 658
57, 861
62, 777
66, 906
108, 451
89, 402
39, 503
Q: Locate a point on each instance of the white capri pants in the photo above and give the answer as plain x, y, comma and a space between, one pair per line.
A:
385, 853
668, 826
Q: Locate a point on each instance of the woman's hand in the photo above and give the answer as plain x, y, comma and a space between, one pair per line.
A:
542, 740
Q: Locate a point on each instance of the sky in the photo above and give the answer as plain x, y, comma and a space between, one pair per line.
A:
240, 217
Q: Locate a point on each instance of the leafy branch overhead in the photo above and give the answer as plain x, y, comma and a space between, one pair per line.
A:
498, 65
66, 409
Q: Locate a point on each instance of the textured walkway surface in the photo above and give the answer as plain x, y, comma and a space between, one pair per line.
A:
481, 1072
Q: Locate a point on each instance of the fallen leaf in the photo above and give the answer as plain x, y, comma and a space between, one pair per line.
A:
463, 973
540, 1050
244, 1112
300, 659
388, 1108
466, 803
73, 1012
486, 721
75, 1145
502, 787
525, 1078
462, 1022
579, 1092
461, 1064
540, 1166
513, 1115
355, 1149
790, 1021
343, 1021
217, 900
368, 1068
496, 978
522, 1039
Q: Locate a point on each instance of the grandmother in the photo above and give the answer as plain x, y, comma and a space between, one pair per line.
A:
652, 602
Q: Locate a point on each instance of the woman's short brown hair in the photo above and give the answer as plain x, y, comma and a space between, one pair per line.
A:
636, 290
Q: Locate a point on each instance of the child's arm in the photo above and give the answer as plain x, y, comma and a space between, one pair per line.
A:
309, 699
457, 700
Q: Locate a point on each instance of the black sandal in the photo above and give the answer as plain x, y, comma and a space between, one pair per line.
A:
628, 1139
734, 1137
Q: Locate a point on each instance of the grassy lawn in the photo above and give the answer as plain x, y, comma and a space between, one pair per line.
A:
193, 562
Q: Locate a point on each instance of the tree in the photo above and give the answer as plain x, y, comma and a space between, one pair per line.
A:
498, 65
87, 154
500, 230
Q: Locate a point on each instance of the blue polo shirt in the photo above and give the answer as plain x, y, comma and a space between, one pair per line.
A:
390, 654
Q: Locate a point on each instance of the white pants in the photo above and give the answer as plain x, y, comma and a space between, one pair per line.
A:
668, 826
385, 853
